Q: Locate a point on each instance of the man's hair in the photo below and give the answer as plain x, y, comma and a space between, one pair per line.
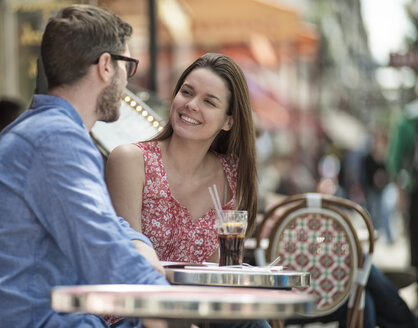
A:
76, 37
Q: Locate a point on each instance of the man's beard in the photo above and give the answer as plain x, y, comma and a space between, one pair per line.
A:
108, 102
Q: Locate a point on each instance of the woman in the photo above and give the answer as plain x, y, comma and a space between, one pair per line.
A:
161, 186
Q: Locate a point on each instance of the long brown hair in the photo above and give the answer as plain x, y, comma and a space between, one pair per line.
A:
239, 142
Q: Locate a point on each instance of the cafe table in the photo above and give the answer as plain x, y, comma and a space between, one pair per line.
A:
209, 274
182, 304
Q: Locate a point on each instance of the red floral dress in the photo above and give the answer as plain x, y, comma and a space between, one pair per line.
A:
168, 224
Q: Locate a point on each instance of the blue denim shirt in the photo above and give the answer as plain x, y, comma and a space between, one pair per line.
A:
57, 223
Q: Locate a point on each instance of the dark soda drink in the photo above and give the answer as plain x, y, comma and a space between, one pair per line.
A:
231, 249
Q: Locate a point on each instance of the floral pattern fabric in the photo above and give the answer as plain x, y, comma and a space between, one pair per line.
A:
169, 225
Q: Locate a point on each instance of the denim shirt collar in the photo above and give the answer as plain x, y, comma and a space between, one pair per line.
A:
48, 101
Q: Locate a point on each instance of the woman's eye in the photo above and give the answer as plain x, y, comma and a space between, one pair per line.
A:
210, 103
185, 92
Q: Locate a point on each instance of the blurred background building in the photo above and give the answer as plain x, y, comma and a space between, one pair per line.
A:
311, 74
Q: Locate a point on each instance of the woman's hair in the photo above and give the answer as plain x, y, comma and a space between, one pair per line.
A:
239, 142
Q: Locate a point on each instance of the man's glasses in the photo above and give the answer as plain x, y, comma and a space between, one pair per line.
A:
132, 63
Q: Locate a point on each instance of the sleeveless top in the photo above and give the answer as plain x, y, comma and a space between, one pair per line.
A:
168, 224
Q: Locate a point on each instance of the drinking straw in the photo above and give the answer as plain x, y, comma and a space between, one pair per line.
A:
277, 259
217, 196
216, 202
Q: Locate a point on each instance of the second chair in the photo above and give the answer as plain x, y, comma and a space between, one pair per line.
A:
315, 233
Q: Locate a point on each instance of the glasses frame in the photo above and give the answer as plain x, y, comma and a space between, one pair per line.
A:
132, 62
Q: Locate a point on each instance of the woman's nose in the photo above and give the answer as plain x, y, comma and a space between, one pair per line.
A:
193, 104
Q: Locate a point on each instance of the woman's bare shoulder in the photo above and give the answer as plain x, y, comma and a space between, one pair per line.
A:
126, 152
126, 157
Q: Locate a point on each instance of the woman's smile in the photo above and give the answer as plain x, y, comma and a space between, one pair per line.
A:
199, 109
189, 119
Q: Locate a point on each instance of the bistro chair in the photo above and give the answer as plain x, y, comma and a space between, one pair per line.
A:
314, 232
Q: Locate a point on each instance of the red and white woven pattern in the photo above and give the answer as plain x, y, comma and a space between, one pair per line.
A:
319, 244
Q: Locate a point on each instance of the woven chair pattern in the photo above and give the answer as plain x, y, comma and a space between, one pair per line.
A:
319, 244
314, 232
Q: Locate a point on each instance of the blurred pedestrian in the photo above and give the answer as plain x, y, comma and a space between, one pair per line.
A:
376, 183
402, 165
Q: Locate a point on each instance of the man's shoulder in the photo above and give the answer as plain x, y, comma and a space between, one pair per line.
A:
39, 124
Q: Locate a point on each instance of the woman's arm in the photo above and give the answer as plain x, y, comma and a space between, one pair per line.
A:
125, 178
214, 257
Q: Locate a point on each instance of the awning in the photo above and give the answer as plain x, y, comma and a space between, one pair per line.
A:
272, 115
218, 22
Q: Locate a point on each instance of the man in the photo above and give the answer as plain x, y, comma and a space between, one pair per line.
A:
57, 223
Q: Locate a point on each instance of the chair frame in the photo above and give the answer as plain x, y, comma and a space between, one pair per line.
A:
318, 203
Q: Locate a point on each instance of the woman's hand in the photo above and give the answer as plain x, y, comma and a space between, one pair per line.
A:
149, 253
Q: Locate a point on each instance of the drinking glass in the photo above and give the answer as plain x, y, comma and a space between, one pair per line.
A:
231, 235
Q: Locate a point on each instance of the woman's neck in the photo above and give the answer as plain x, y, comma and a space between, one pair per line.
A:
187, 158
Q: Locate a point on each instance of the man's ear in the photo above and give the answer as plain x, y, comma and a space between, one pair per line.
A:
228, 123
105, 67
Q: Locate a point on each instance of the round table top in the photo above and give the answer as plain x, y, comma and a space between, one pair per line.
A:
243, 277
181, 302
